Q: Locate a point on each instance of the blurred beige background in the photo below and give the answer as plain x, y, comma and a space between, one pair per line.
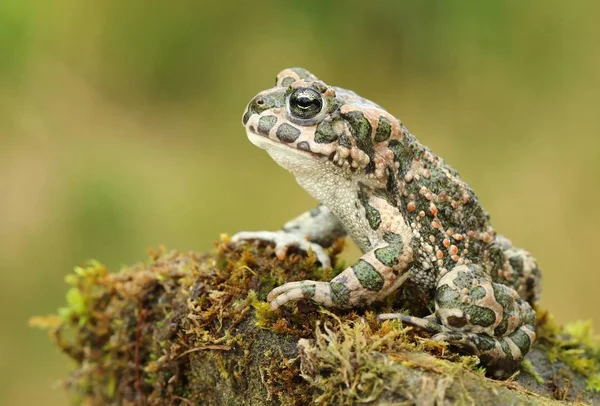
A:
120, 130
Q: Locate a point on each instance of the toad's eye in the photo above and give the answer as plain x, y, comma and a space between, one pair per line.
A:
305, 103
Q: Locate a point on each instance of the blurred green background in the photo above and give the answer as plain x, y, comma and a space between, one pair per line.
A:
120, 130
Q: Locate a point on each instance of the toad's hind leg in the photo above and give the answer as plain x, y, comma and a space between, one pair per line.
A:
500, 356
519, 270
480, 317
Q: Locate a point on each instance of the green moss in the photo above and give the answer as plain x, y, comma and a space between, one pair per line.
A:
345, 362
86, 289
574, 344
593, 383
529, 368
195, 328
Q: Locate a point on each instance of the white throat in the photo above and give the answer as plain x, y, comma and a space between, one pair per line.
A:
331, 185
316, 174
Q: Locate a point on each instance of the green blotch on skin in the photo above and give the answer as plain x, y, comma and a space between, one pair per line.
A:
345, 141
504, 299
396, 149
303, 146
269, 101
391, 189
522, 340
373, 215
516, 262
308, 291
340, 295
447, 297
406, 151
361, 129
434, 327
455, 337
266, 123
477, 292
384, 129
325, 133
500, 330
287, 133
368, 276
287, 81
481, 316
486, 343
466, 274
497, 257
389, 255
506, 350
392, 238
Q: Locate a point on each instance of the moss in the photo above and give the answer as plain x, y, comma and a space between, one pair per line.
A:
593, 383
574, 345
185, 328
529, 368
346, 364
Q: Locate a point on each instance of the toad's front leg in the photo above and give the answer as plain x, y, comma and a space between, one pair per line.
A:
314, 230
378, 272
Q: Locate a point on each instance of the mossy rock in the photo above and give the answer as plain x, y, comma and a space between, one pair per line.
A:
189, 328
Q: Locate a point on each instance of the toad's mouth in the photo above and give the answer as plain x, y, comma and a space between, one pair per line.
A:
269, 145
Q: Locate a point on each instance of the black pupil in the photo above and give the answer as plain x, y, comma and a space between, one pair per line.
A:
306, 103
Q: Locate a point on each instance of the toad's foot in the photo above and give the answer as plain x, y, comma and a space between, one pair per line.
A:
500, 356
283, 241
322, 293
428, 323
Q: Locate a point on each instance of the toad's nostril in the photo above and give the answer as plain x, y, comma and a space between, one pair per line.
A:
260, 102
